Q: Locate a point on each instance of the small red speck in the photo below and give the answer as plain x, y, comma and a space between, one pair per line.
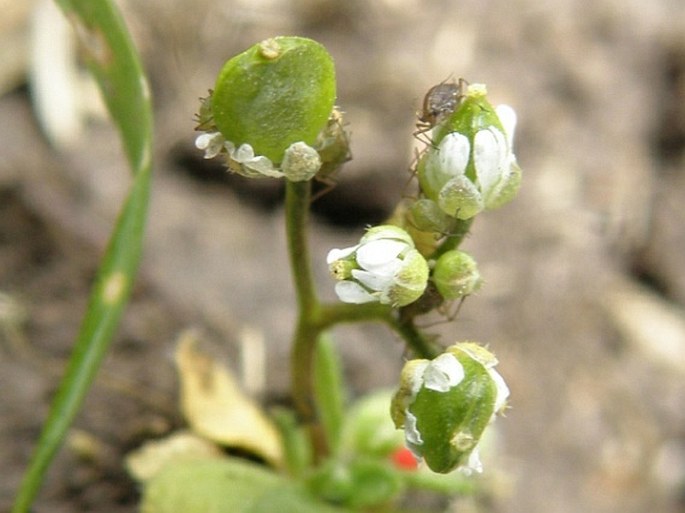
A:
404, 459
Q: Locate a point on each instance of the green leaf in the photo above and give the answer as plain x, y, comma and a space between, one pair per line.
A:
369, 430
113, 60
227, 486
361, 482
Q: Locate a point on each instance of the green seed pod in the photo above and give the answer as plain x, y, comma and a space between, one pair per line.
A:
445, 404
276, 93
456, 275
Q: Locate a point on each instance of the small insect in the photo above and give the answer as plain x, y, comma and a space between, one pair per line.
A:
333, 145
205, 118
440, 101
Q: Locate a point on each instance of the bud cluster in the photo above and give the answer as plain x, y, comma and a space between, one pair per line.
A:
470, 165
445, 404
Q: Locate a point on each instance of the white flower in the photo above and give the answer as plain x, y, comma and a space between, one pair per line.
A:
241, 160
211, 142
250, 165
384, 267
470, 171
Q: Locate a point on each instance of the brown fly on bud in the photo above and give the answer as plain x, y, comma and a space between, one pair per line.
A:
440, 101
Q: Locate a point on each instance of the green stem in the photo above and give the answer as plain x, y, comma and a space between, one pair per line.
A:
338, 313
416, 340
402, 324
315, 317
297, 201
455, 238
308, 329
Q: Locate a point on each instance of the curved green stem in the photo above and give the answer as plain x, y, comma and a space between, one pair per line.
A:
314, 317
403, 325
416, 340
455, 238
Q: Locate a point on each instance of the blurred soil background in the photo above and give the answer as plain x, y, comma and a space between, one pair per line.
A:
585, 289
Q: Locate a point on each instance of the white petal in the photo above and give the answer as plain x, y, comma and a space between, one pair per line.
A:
300, 162
351, 292
502, 389
507, 116
378, 253
373, 281
417, 378
211, 143
202, 141
489, 154
473, 464
411, 432
243, 153
443, 373
262, 165
339, 254
454, 154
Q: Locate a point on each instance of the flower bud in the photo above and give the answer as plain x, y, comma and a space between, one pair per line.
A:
384, 267
300, 162
456, 275
426, 216
472, 167
445, 404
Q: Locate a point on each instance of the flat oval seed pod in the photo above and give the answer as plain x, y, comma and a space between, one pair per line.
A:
274, 94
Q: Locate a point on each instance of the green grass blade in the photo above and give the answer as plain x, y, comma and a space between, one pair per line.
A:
114, 62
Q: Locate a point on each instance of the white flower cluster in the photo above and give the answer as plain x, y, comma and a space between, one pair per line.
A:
384, 267
300, 161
